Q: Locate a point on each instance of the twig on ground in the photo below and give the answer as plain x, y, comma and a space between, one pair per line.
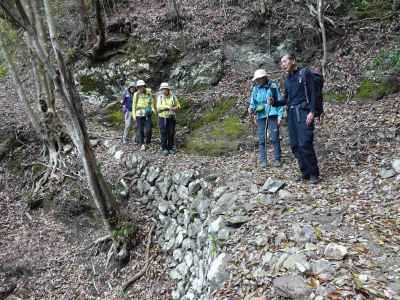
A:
146, 264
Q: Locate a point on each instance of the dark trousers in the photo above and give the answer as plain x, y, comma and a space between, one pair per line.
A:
301, 141
167, 132
144, 130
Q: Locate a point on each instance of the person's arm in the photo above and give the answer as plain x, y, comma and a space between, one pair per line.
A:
154, 104
310, 90
281, 101
252, 106
134, 105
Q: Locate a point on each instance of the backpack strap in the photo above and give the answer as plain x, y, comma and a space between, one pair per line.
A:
303, 77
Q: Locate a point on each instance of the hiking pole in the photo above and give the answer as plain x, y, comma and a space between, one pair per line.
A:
266, 130
253, 132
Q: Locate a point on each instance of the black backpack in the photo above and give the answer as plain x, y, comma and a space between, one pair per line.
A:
318, 86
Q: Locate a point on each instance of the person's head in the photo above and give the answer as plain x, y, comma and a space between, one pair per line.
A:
288, 63
165, 89
140, 85
260, 77
132, 87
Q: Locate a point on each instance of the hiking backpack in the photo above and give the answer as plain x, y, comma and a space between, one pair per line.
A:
318, 86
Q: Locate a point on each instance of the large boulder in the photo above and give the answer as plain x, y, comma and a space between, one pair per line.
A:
198, 71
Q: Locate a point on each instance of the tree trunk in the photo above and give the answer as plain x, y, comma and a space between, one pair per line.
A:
101, 29
323, 32
84, 18
32, 116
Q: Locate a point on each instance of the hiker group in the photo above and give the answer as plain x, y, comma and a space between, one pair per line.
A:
300, 92
140, 104
302, 96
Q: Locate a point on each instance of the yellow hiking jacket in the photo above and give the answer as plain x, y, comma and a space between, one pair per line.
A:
165, 103
141, 102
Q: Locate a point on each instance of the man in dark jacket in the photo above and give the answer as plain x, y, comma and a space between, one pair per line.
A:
300, 116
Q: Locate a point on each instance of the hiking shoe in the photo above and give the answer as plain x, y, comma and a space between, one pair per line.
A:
263, 164
314, 179
172, 151
164, 152
301, 178
143, 147
277, 163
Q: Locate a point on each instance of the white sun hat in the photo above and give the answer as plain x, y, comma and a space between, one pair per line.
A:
140, 83
164, 85
260, 73
132, 84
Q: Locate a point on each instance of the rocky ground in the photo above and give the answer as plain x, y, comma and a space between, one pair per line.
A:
337, 240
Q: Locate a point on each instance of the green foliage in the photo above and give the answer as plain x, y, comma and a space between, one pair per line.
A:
332, 96
3, 71
184, 115
370, 89
215, 113
114, 114
371, 8
203, 146
88, 83
386, 61
125, 230
231, 127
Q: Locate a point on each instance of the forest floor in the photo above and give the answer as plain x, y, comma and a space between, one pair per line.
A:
43, 256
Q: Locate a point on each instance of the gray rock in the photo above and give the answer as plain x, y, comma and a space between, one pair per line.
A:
188, 244
164, 185
163, 206
184, 178
190, 296
296, 262
223, 234
202, 207
225, 204
285, 195
236, 221
335, 251
179, 239
219, 191
177, 255
387, 173
198, 71
176, 295
118, 155
280, 237
124, 189
272, 186
292, 286
396, 165
175, 274
183, 192
183, 269
153, 174
267, 258
217, 272
303, 233
194, 187
189, 259
322, 266
216, 225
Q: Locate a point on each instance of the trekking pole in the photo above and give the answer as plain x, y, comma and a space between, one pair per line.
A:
266, 131
253, 132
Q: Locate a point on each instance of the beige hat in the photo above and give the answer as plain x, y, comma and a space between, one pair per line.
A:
260, 73
140, 83
132, 84
164, 85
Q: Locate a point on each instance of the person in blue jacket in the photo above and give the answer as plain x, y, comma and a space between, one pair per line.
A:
301, 113
127, 109
266, 115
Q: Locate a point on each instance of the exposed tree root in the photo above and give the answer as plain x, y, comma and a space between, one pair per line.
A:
146, 264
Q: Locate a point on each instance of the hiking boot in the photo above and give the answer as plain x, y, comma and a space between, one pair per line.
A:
301, 178
314, 179
143, 147
263, 165
165, 152
277, 163
172, 151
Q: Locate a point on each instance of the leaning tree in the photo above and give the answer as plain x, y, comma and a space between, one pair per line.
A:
54, 82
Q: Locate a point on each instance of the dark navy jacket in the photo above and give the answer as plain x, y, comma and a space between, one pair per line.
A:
295, 92
127, 101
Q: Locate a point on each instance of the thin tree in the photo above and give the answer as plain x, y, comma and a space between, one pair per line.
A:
72, 118
323, 33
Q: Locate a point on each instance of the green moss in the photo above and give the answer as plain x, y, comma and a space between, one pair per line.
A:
114, 114
217, 138
370, 89
215, 113
372, 8
88, 83
332, 96
231, 127
386, 61
3, 71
